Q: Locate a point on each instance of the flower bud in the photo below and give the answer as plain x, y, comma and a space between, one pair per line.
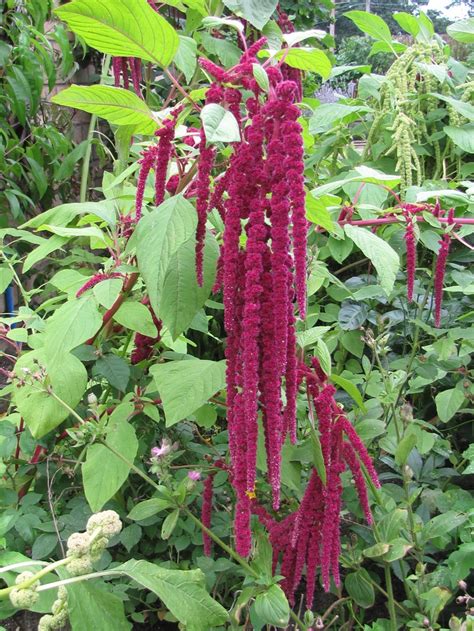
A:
77, 566
44, 623
406, 413
426, 622
91, 399
107, 521
462, 585
25, 576
78, 544
23, 598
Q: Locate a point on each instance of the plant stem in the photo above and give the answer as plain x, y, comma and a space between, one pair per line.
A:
391, 600
36, 577
90, 135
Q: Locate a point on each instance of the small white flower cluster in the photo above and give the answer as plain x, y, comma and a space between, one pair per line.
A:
83, 548
59, 613
26, 597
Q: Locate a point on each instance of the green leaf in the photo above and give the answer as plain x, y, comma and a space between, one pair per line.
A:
257, 12
310, 59
462, 31
182, 592
6, 276
261, 77
169, 524
219, 124
384, 258
88, 602
404, 448
371, 24
148, 508
327, 114
317, 213
465, 109
271, 607
67, 378
103, 472
461, 561
185, 58
359, 587
462, 136
442, 524
73, 323
158, 237
309, 337
136, 317
448, 403
181, 296
116, 105
115, 369
377, 550
351, 390
122, 29
186, 385
408, 22
54, 242
321, 351
436, 599
65, 213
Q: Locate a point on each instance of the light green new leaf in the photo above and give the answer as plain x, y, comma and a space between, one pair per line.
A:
257, 12
158, 237
73, 323
186, 385
219, 124
65, 213
448, 403
384, 258
181, 296
122, 28
116, 105
67, 378
182, 592
136, 317
103, 472
408, 22
6, 276
317, 212
272, 608
148, 508
371, 24
462, 31
462, 136
359, 587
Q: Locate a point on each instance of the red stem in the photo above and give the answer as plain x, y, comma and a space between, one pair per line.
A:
462, 221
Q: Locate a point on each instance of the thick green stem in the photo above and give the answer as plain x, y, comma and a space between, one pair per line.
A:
4, 593
390, 600
90, 134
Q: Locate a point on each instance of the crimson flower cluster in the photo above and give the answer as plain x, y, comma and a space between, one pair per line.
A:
262, 268
144, 345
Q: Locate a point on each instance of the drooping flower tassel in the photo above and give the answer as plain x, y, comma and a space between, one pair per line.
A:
144, 344
165, 137
440, 270
136, 72
353, 463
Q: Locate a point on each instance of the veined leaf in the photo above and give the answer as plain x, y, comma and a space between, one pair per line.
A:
371, 24
220, 125
257, 12
122, 28
462, 31
116, 105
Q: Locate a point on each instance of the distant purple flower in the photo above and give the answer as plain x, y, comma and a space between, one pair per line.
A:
194, 475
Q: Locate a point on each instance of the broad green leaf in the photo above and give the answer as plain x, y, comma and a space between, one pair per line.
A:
436, 599
271, 607
219, 124
463, 136
442, 524
157, 238
73, 323
448, 403
371, 24
212, 21
122, 29
103, 472
115, 370
359, 587
299, 36
377, 550
181, 296
136, 317
169, 524
67, 378
321, 351
89, 602
257, 12
182, 592
6, 276
116, 105
317, 212
41, 252
261, 77
186, 385
309, 337
148, 508
185, 58
461, 561
92, 232
65, 213
408, 22
462, 31
327, 114
465, 109
310, 59
350, 388
384, 258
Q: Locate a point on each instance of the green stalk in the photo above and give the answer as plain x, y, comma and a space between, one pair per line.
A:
391, 600
90, 134
36, 577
